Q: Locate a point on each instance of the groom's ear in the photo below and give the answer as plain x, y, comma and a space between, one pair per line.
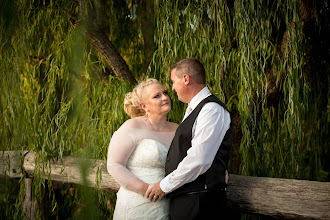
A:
186, 79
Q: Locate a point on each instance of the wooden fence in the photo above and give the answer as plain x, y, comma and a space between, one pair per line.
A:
273, 197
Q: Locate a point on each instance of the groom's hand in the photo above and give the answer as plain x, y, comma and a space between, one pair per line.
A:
155, 193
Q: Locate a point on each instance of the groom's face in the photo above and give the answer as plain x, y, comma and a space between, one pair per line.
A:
178, 85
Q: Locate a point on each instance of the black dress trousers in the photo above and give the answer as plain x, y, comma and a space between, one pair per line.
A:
199, 206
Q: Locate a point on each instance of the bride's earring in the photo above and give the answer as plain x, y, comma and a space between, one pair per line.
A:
146, 116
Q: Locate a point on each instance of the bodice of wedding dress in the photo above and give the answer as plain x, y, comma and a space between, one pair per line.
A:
124, 143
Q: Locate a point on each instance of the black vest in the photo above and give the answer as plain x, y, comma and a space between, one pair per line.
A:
214, 177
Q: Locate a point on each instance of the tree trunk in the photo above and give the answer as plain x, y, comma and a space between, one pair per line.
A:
111, 56
235, 155
147, 28
101, 43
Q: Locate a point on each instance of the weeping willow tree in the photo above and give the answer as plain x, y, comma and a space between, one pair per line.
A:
66, 66
56, 100
258, 63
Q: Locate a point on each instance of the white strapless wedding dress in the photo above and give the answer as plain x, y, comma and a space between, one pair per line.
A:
147, 162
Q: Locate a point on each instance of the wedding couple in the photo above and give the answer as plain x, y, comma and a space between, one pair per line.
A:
170, 171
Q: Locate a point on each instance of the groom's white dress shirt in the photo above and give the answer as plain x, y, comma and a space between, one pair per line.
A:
208, 132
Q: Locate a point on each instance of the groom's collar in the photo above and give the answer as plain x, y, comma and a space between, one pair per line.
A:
205, 92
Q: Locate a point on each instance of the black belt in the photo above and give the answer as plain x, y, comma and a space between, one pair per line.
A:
200, 191
206, 191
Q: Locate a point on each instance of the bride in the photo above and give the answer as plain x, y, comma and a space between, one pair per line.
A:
138, 149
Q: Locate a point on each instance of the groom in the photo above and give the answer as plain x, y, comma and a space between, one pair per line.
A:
198, 157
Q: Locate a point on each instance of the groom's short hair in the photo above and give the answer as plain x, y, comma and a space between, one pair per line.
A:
191, 66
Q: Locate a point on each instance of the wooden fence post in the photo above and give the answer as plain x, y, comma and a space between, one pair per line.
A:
28, 203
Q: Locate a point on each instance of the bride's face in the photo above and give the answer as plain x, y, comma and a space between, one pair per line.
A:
156, 99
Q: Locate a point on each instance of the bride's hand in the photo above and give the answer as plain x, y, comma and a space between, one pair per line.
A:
144, 188
148, 188
154, 192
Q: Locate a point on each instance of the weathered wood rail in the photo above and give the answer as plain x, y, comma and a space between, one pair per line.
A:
273, 197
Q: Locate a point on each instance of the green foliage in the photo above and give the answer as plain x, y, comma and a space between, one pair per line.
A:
274, 141
8, 196
50, 100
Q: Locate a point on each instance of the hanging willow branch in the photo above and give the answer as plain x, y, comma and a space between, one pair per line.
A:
271, 75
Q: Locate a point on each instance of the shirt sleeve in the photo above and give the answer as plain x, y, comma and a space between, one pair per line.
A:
121, 146
209, 129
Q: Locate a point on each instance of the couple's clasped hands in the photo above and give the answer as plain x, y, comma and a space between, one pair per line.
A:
154, 192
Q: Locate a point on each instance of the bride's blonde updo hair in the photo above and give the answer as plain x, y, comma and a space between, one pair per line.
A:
133, 99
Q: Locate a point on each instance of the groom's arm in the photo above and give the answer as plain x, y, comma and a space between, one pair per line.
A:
155, 190
211, 126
